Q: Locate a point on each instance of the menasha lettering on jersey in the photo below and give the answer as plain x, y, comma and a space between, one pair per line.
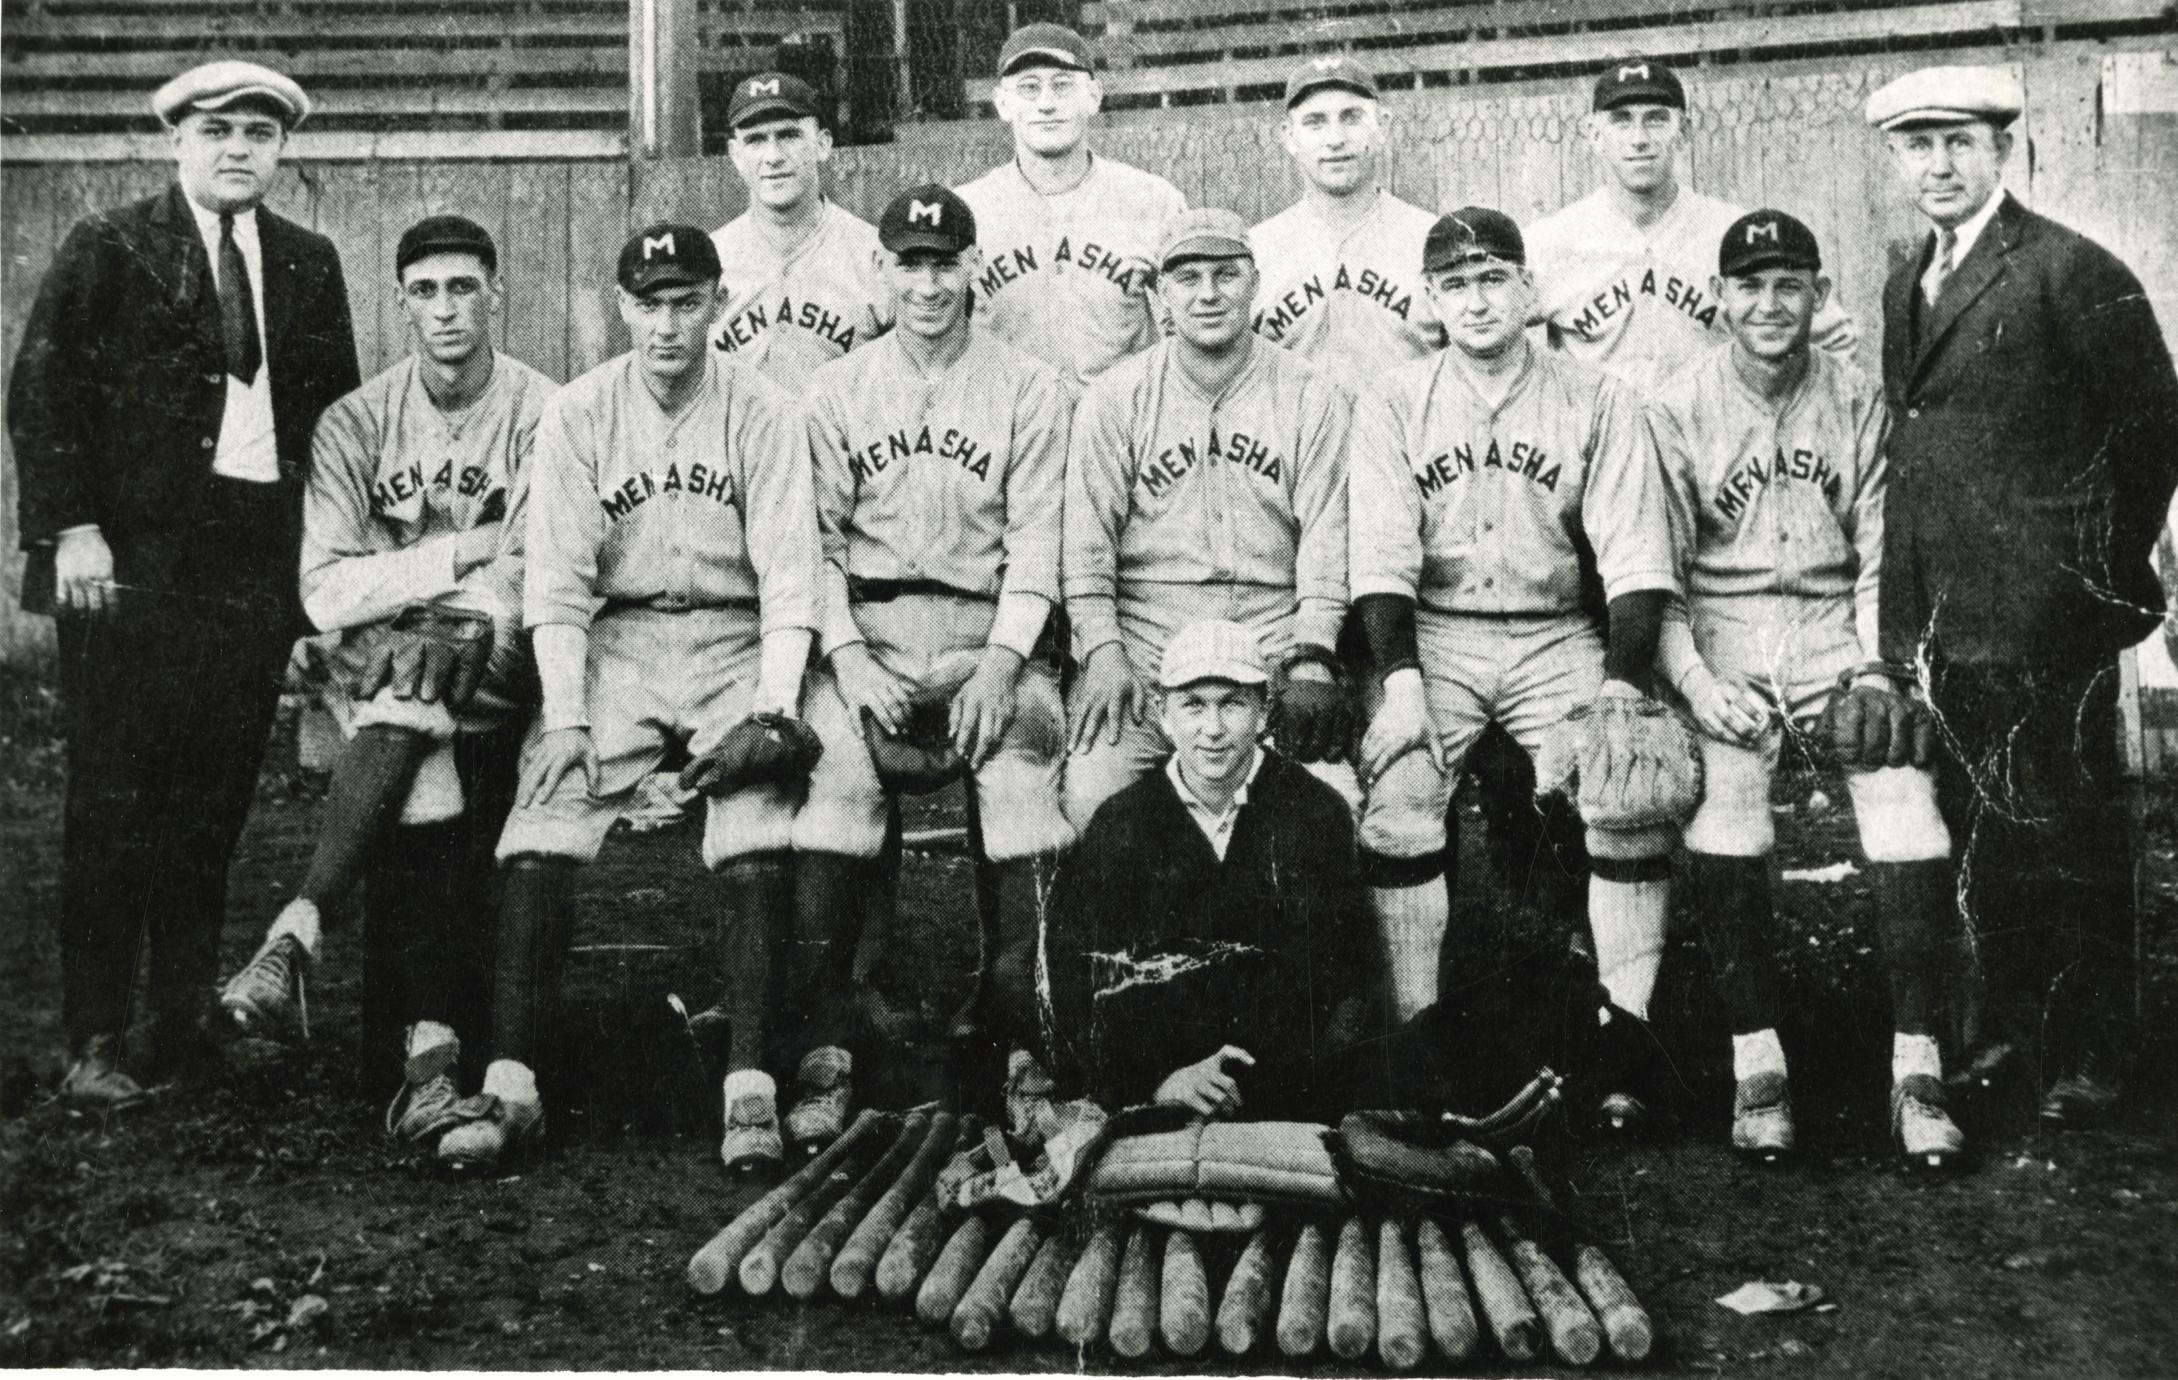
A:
1523, 458
1620, 295
395, 489
1236, 448
951, 444
741, 331
1280, 316
703, 481
1757, 472
1008, 266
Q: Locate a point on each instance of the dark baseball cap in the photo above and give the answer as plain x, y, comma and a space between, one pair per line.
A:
772, 96
445, 235
1470, 233
1767, 239
667, 255
927, 217
1334, 70
1638, 81
1044, 45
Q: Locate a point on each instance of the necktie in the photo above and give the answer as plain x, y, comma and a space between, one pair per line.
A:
237, 308
1947, 249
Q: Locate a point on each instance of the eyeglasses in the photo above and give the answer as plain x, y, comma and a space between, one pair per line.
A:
1059, 87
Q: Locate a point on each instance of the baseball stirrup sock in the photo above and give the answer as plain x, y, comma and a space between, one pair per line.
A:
536, 926
1627, 921
1412, 920
1917, 917
1732, 897
370, 780
755, 922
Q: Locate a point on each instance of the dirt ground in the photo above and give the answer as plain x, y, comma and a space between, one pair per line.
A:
185, 1232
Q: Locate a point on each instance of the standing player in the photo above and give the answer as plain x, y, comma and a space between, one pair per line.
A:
1066, 235
659, 619
940, 458
800, 281
1776, 455
1624, 271
1492, 485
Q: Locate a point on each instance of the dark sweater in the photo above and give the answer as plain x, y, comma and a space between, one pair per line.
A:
1274, 949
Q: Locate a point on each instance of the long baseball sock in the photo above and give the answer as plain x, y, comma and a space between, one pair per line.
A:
536, 926
1412, 911
1732, 897
828, 911
1626, 918
366, 789
1915, 915
755, 922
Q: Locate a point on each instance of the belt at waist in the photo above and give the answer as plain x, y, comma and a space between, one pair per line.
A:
867, 591
677, 603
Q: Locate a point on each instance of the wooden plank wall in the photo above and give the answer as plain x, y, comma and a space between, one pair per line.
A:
1791, 138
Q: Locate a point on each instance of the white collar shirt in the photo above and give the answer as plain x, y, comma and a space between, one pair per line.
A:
1216, 825
1969, 231
248, 448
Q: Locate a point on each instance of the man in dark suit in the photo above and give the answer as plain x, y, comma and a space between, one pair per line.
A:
173, 367
2032, 462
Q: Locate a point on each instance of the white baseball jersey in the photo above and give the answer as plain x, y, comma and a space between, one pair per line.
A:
954, 477
1056, 277
789, 310
1168, 488
628, 505
393, 483
1470, 510
1350, 302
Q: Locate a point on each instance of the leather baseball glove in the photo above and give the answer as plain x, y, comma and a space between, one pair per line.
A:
1401, 1164
1312, 720
923, 759
763, 749
429, 652
1632, 760
1870, 726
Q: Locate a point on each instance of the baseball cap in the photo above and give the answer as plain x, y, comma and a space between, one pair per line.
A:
1945, 96
772, 96
1470, 233
218, 85
1049, 45
927, 217
1206, 232
1335, 70
666, 255
1213, 649
445, 235
1638, 80
1767, 239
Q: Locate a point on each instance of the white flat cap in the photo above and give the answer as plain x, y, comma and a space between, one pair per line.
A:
1947, 95
1213, 649
217, 85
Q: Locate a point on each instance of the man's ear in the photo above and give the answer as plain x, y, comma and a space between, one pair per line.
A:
1716, 287
1096, 94
1823, 286
823, 141
1285, 137
2004, 146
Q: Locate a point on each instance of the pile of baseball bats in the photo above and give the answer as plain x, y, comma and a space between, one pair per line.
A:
867, 1214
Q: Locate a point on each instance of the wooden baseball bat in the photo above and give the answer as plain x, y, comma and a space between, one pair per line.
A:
955, 1268
1574, 1333
1183, 1309
717, 1260
760, 1267
1035, 1304
856, 1262
1352, 1329
1504, 1303
1134, 1301
1245, 1308
919, 1239
985, 1302
1085, 1309
1625, 1322
1399, 1327
1444, 1294
811, 1262
1306, 1297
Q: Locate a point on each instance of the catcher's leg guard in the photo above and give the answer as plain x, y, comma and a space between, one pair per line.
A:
1916, 914
536, 926
755, 926
1732, 897
819, 990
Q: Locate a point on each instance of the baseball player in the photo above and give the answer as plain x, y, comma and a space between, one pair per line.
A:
658, 620
1066, 235
800, 280
1494, 485
1624, 271
413, 501
1776, 455
940, 458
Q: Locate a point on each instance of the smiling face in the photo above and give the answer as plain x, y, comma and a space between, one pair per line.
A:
1951, 170
668, 325
1638, 143
1213, 725
929, 288
1048, 107
226, 158
449, 299
780, 160
1334, 137
1771, 311
1209, 299
1483, 304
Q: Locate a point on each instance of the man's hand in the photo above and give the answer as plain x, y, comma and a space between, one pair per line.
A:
559, 752
1726, 710
983, 708
83, 572
474, 547
1402, 725
1111, 696
870, 689
1204, 1087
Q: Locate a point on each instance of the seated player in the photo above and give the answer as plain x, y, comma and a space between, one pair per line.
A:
1776, 453
940, 459
1210, 942
670, 587
413, 503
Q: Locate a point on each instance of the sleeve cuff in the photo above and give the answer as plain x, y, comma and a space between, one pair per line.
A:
1096, 622
1385, 584
1660, 580
1319, 621
1020, 622
1676, 655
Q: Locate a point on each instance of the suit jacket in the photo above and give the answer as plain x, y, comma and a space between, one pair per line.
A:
114, 406
2032, 458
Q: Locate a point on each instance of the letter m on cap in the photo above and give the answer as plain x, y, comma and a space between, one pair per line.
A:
763, 86
1762, 230
924, 211
1637, 71
659, 244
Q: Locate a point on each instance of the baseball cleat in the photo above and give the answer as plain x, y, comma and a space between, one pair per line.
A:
95, 1081
427, 1106
752, 1122
490, 1130
1625, 1069
1762, 1118
1030, 1113
268, 992
2085, 1098
824, 1088
1922, 1125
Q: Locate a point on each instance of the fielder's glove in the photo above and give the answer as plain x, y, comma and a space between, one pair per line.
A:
768, 749
429, 652
1632, 760
922, 759
1398, 1165
1312, 720
1870, 726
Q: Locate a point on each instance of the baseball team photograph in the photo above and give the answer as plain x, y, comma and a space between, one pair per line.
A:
1179, 686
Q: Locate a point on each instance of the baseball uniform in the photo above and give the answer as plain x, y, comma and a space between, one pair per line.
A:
1181, 506
1350, 302
1057, 280
789, 310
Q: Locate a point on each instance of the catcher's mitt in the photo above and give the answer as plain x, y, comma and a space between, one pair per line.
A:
1870, 726
1632, 760
1398, 1165
1312, 720
768, 749
1246, 1161
922, 759
429, 652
